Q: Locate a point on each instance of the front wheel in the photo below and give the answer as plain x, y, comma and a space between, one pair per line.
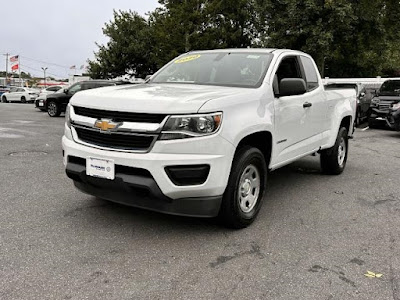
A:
23, 99
357, 121
333, 160
243, 196
53, 109
4, 99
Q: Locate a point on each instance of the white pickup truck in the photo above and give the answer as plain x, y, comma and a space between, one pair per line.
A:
201, 135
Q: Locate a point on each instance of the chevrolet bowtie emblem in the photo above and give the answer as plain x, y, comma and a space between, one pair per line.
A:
106, 125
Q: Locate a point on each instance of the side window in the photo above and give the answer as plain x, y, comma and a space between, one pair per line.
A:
54, 89
288, 68
74, 89
13, 90
310, 72
99, 85
89, 86
20, 90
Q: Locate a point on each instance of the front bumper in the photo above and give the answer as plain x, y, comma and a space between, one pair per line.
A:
393, 120
40, 104
143, 192
378, 116
160, 193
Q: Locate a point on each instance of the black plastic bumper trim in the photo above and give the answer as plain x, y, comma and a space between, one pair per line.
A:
188, 175
142, 192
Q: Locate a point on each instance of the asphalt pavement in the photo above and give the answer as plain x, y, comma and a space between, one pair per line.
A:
315, 238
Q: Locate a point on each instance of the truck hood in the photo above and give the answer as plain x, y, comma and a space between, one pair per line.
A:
153, 98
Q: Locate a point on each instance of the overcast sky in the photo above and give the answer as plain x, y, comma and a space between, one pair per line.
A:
58, 32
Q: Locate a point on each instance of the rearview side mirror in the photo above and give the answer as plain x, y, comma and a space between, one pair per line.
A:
147, 77
292, 87
65, 91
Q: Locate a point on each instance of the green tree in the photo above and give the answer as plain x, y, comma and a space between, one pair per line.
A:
352, 38
313, 26
128, 50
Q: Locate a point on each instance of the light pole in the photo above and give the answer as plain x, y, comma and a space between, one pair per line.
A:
6, 55
44, 76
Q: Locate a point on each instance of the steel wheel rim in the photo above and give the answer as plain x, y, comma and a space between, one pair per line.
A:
342, 151
249, 188
52, 108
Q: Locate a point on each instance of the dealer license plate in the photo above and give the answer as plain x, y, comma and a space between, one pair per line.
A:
103, 168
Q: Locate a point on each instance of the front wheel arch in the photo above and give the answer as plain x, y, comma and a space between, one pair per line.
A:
261, 140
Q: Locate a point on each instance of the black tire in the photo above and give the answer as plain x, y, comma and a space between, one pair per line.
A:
4, 99
234, 205
332, 160
23, 99
53, 109
357, 121
372, 123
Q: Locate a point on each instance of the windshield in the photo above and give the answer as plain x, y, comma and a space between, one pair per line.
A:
217, 68
390, 87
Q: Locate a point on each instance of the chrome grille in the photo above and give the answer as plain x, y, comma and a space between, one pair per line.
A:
116, 140
134, 132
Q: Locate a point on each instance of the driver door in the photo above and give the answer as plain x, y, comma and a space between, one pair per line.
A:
292, 116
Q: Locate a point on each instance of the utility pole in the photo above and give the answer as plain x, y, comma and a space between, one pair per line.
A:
44, 76
6, 55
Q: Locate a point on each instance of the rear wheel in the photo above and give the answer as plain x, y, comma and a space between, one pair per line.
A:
23, 99
53, 109
333, 160
243, 197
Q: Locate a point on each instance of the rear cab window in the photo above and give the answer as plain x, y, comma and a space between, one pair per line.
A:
310, 73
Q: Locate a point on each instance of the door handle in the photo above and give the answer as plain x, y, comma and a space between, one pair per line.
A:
307, 104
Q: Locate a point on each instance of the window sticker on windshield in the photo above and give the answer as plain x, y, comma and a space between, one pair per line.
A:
187, 58
253, 56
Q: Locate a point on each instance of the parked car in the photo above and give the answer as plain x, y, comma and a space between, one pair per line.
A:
381, 105
363, 103
20, 94
56, 103
4, 89
200, 137
40, 102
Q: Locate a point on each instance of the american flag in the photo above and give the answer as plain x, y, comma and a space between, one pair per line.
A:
14, 58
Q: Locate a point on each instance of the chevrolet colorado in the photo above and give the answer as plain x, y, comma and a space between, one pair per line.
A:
201, 135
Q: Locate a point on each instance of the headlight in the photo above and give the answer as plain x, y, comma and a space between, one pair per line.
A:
396, 106
375, 102
67, 116
181, 127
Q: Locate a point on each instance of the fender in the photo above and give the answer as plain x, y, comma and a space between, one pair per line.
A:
338, 110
